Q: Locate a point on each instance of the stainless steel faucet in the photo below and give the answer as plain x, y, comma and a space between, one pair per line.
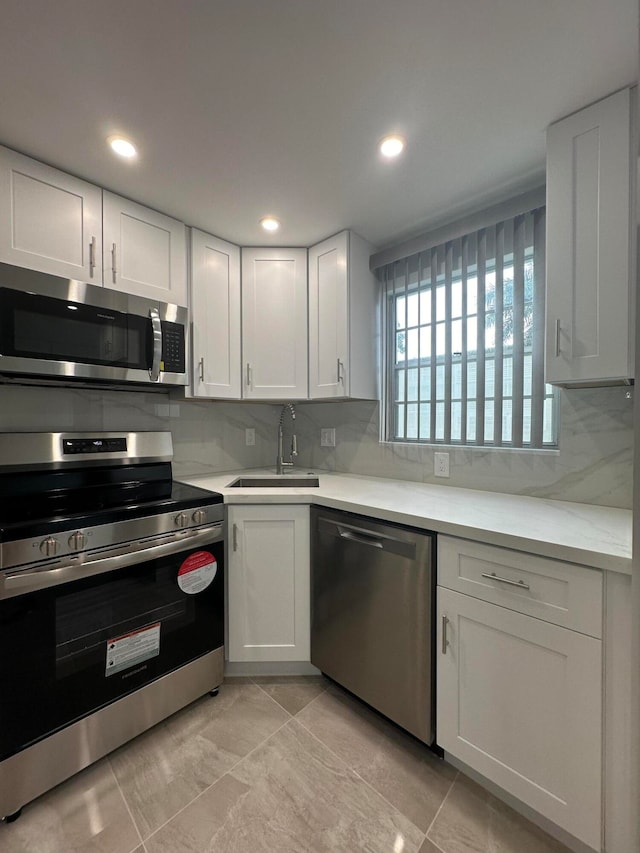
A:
281, 464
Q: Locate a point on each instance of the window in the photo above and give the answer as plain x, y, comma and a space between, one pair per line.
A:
465, 340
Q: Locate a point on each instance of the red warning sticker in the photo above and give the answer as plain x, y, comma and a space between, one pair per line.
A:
197, 572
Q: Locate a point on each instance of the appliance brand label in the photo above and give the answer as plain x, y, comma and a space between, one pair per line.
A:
197, 572
133, 648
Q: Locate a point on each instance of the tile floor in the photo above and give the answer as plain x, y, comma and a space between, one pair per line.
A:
272, 764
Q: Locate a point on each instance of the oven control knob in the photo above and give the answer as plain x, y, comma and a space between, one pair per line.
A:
199, 516
77, 540
181, 519
49, 546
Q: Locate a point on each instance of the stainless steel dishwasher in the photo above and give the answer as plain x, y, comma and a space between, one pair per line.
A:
372, 614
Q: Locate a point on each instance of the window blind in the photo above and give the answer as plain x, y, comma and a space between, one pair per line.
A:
464, 342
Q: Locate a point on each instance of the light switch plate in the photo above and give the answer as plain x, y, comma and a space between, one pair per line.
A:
249, 437
328, 437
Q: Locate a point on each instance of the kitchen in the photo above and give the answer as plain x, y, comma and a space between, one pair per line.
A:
593, 462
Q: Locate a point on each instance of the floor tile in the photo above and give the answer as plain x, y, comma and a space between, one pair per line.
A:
293, 692
398, 766
473, 821
428, 847
165, 768
290, 794
85, 814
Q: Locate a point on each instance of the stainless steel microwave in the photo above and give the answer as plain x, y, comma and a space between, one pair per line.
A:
60, 329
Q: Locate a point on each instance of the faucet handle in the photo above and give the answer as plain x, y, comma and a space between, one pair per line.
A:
294, 445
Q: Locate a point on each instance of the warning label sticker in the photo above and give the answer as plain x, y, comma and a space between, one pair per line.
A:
197, 572
132, 648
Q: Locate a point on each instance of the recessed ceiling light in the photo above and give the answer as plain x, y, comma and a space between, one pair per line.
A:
391, 146
122, 147
269, 223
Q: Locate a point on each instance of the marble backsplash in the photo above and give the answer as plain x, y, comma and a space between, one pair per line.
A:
208, 437
592, 465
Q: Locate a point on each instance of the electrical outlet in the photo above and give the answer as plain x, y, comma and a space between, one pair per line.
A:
249, 437
328, 437
441, 464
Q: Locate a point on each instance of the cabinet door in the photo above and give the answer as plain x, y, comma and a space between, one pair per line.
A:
519, 701
343, 321
49, 221
589, 192
144, 251
329, 367
269, 609
215, 313
274, 323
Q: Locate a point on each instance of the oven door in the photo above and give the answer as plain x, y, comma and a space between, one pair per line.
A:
68, 649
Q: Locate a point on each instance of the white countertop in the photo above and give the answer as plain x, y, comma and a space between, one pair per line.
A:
580, 533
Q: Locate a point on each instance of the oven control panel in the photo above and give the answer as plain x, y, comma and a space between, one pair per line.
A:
69, 544
94, 445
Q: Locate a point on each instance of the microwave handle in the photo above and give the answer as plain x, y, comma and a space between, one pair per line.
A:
156, 327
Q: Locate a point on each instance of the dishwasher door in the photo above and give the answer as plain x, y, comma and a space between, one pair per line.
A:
372, 614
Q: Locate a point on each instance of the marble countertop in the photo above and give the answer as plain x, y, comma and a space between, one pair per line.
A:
579, 533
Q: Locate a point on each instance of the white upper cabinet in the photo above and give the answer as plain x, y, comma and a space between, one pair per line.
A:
144, 251
590, 186
49, 221
215, 317
342, 319
274, 323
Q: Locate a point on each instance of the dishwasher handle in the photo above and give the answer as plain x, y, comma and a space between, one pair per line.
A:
372, 538
363, 537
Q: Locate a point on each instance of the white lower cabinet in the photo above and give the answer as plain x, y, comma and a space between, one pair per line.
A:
520, 702
268, 583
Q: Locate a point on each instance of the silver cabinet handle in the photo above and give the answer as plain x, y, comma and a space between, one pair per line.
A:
494, 577
92, 256
340, 372
113, 262
156, 326
558, 338
235, 537
445, 642
248, 375
201, 369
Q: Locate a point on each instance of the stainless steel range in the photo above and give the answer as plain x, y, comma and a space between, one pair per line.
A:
111, 600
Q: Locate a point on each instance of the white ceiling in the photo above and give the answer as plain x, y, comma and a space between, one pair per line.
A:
247, 107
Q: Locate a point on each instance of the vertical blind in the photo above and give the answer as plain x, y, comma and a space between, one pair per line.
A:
465, 340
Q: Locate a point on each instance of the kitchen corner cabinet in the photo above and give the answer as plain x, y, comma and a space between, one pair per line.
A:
49, 221
342, 319
520, 698
215, 317
269, 605
590, 244
274, 323
145, 252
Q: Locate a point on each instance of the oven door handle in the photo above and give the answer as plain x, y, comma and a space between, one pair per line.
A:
18, 582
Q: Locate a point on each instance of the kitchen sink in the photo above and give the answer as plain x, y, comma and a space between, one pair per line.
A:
284, 482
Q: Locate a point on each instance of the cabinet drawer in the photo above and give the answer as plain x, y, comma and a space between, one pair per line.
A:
557, 592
